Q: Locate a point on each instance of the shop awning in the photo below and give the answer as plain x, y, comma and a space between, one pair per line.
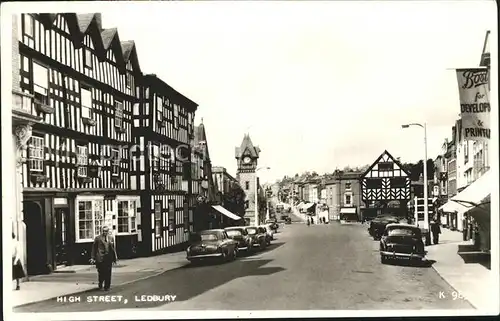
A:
348, 210
223, 211
472, 196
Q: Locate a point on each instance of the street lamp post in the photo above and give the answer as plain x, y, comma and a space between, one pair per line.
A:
426, 195
257, 194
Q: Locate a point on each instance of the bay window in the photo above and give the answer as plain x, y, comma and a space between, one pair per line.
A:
82, 160
86, 102
127, 210
35, 154
90, 218
41, 83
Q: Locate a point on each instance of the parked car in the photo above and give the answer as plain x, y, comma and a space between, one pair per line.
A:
378, 224
258, 236
288, 220
240, 234
210, 244
401, 241
269, 233
274, 223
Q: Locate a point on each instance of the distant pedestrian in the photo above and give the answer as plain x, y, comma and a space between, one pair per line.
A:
104, 255
312, 220
308, 221
17, 266
435, 229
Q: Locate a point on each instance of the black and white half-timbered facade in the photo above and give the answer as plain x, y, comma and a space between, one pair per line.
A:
385, 187
84, 82
161, 165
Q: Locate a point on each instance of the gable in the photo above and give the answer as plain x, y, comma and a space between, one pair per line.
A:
385, 166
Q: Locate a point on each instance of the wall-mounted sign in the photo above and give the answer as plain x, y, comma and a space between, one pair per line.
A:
474, 92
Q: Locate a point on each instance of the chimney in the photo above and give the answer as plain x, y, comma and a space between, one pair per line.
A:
98, 19
453, 134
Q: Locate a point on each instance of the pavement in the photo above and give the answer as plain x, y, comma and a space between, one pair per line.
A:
81, 278
472, 281
317, 267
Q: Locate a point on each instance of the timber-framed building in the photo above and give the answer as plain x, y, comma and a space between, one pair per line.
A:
84, 84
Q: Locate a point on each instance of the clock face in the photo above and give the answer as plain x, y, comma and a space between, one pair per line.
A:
247, 160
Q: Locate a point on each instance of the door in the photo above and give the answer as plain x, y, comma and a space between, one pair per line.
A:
61, 235
36, 255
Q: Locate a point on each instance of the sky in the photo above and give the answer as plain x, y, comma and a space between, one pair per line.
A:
317, 85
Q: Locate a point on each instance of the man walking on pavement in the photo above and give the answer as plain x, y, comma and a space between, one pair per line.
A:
103, 256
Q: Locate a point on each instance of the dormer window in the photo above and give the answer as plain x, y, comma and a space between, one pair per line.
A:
29, 27
87, 58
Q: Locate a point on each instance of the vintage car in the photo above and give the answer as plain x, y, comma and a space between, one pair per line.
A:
212, 244
240, 234
378, 224
288, 220
274, 223
269, 233
258, 235
401, 241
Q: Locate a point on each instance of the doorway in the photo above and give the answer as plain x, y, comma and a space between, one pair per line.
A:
35, 238
61, 235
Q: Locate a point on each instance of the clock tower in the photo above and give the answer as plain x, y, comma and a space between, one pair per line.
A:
247, 156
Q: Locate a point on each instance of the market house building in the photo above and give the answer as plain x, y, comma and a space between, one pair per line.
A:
161, 166
385, 187
75, 170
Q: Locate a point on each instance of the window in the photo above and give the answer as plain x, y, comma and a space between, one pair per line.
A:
41, 83
82, 161
128, 80
171, 216
190, 123
86, 102
87, 59
159, 109
185, 216
348, 200
398, 182
385, 166
155, 157
373, 183
115, 159
466, 152
29, 29
158, 218
90, 219
36, 151
126, 216
118, 114
247, 185
176, 116
348, 185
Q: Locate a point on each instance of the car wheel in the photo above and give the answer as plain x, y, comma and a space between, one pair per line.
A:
224, 256
383, 259
235, 253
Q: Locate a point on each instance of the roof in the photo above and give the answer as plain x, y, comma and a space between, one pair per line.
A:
247, 146
90, 24
390, 157
154, 79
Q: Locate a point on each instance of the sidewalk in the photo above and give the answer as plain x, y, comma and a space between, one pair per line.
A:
79, 278
472, 280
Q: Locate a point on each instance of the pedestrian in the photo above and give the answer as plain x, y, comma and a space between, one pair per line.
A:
435, 229
17, 266
308, 221
312, 220
103, 256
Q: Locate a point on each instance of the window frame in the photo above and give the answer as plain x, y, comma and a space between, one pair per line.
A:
89, 108
176, 116
40, 97
171, 213
131, 216
30, 26
115, 161
95, 228
351, 202
119, 115
82, 160
386, 169
155, 157
158, 221
128, 80
185, 215
159, 109
36, 154
87, 58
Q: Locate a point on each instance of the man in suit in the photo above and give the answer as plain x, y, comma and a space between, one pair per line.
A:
104, 255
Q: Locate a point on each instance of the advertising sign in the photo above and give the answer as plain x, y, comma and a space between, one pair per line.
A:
473, 87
